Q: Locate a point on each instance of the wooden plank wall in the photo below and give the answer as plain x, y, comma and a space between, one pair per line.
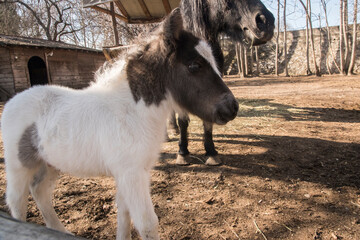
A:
19, 62
74, 69
70, 68
6, 75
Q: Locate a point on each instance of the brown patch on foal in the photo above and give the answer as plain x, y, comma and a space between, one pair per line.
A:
28, 147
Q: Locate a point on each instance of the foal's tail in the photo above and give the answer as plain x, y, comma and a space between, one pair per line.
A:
19, 113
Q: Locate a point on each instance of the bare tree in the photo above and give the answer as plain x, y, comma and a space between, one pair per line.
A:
346, 57
52, 16
94, 26
308, 15
251, 64
285, 43
277, 39
345, 27
257, 60
333, 60
245, 58
9, 19
341, 38
308, 70
240, 58
354, 39
320, 40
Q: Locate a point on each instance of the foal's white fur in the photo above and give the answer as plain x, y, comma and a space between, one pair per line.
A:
99, 130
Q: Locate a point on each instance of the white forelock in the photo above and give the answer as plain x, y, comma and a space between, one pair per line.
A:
204, 49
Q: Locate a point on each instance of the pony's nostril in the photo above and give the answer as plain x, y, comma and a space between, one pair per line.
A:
260, 21
227, 111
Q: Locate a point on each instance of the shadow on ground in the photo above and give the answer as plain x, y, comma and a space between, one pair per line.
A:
330, 163
267, 108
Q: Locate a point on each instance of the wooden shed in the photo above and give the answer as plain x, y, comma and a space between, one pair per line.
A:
135, 11
25, 62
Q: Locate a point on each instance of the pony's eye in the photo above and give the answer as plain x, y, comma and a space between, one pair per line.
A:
194, 67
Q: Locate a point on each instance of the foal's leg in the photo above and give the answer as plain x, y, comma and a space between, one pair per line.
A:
17, 189
211, 153
183, 154
134, 186
123, 218
42, 187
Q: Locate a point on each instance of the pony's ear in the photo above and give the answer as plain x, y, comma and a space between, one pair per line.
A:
173, 25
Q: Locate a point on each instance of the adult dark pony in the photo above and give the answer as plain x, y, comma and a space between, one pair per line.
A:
245, 21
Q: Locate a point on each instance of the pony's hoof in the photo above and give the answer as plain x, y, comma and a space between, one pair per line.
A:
213, 161
182, 160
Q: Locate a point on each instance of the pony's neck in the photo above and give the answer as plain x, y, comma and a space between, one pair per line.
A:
203, 18
113, 82
148, 74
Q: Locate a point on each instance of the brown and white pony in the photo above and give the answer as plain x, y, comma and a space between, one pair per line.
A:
113, 127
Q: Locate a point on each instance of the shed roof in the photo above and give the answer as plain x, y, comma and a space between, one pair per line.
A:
137, 11
6, 40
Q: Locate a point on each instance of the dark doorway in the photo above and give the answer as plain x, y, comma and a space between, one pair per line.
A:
37, 71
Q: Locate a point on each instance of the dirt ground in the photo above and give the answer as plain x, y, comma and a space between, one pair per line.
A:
291, 171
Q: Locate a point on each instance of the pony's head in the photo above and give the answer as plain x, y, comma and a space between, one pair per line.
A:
176, 62
249, 20
242, 20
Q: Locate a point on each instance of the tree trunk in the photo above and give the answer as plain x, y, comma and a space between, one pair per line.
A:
285, 44
308, 15
333, 59
251, 60
238, 59
308, 70
346, 37
341, 49
277, 40
246, 62
354, 39
242, 61
257, 61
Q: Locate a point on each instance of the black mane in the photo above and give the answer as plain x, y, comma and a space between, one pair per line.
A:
197, 17
203, 23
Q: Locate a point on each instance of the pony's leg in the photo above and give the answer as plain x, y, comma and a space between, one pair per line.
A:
17, 189
123, 218
42, 188
173, 127
211, 153
134, 186
183, 154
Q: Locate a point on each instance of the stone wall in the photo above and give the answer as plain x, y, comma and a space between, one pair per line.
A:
296, 51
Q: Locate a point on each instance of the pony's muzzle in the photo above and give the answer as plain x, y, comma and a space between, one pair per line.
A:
226, 110
264, 30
